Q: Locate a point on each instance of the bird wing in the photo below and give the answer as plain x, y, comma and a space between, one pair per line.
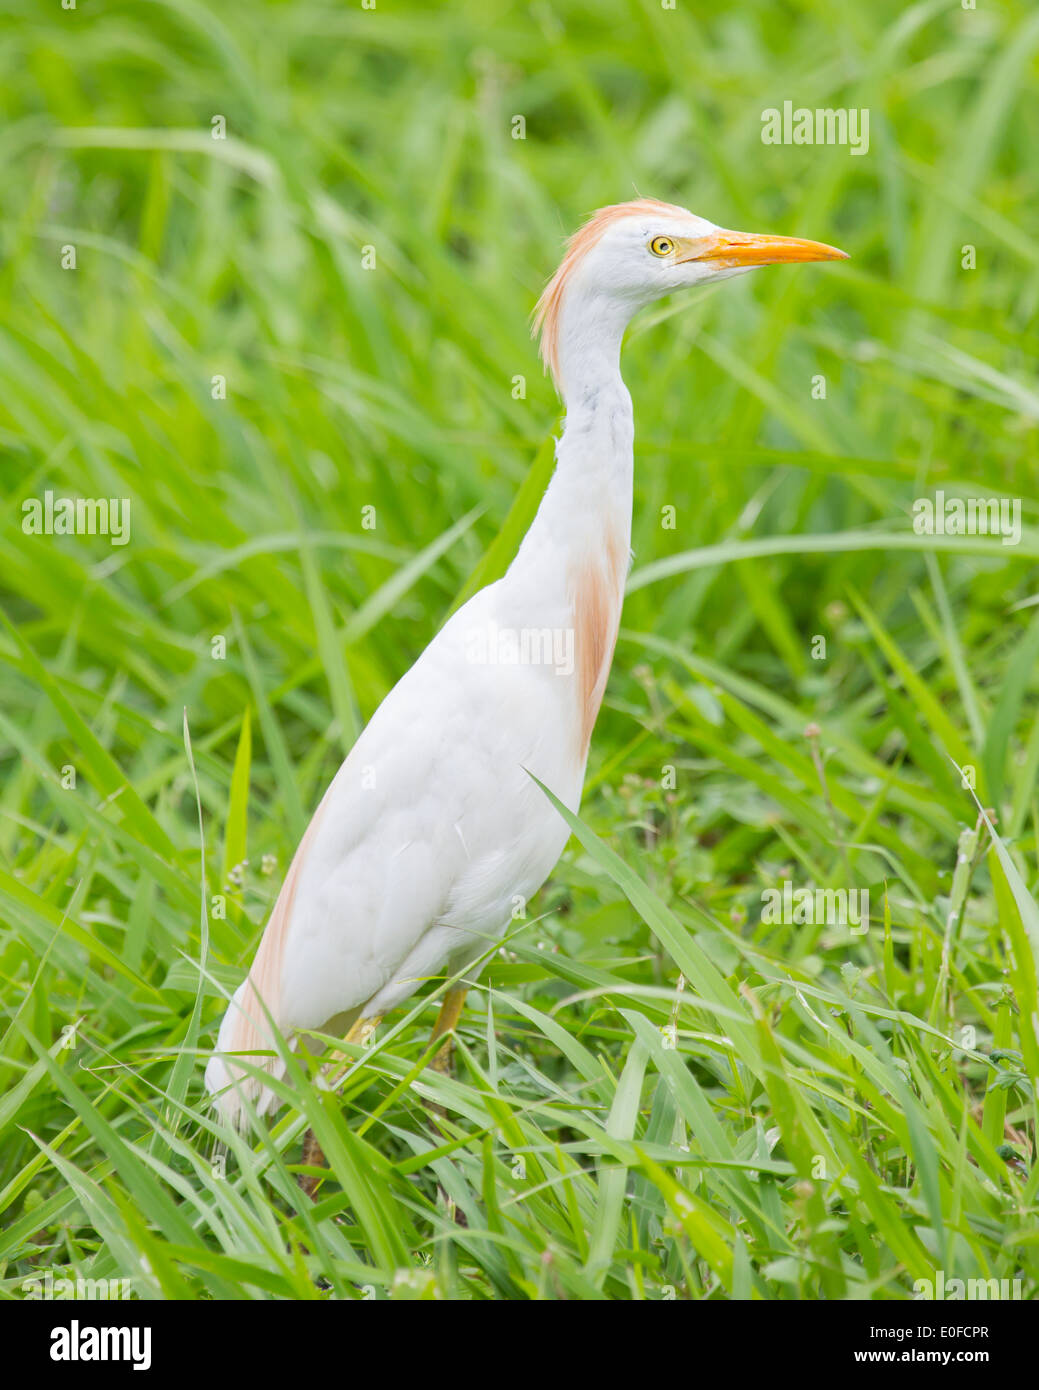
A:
431, 823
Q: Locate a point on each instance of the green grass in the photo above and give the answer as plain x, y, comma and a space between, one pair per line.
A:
656, 1092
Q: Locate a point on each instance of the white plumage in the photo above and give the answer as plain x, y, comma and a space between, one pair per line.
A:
433, 829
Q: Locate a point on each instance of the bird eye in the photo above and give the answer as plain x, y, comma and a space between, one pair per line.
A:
661, 246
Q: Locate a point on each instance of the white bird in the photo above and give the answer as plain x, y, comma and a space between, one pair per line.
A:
433, 827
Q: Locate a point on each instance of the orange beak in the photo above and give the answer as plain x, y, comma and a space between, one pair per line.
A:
730, 249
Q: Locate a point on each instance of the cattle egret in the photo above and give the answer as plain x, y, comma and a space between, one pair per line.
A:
433, 828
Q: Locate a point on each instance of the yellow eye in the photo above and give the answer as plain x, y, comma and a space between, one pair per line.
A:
661, 246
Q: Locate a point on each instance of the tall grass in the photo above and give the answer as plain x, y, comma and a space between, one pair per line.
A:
657, 1093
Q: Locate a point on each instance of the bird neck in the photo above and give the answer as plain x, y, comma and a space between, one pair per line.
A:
586, 509
571, 569
572, 566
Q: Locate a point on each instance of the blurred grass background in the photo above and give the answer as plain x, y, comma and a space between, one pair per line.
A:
861, 1114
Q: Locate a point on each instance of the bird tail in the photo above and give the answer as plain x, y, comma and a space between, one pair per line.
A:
245, 1030
246, 1027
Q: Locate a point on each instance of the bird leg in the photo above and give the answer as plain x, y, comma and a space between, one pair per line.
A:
447, 1018
313, 1157
450, 1013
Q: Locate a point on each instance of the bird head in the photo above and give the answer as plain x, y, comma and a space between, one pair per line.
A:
627, 255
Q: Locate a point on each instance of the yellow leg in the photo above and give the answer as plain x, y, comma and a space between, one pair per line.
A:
450, 1013
313, 1157
363, 1028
